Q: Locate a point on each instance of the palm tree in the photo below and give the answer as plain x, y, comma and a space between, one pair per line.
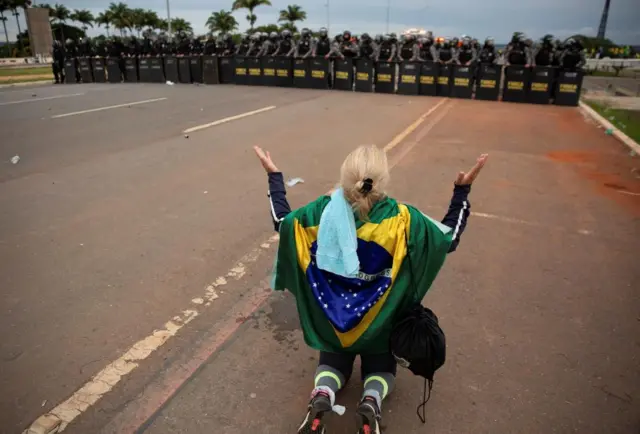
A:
84, 17
292, 14
137, 19
4, 6
120, 16
59, 14
14, 5
181, 25
289, 26
250, 5
222, 22
104, 19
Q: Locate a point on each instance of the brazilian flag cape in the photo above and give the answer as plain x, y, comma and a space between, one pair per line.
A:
356, 315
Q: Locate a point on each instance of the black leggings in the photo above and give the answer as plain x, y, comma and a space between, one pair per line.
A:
370, 363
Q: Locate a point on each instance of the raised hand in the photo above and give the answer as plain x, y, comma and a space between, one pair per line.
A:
468, 178
265, 160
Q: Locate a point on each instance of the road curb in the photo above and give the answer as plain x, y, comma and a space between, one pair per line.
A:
26, 83
631, 144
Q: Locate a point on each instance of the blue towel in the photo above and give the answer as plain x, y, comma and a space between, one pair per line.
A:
337, 240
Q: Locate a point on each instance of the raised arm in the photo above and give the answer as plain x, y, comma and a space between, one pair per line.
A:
278, 203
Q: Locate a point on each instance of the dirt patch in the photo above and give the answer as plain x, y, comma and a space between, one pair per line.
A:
24, 78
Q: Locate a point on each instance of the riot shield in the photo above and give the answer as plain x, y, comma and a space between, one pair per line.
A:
144, 70
241, 70
284, 72
254, 68
269, 66
568, 87
516, 82
319, 73
385, 77
195, 68
444, 80
84, 66
98, 67
343, 74
488, 86
210, 69
131, 69
184, 70
171, 69
70, 70
409, 78
300, 73
462, 83
428, 78
539, 90
364, 75
225, 68
157, 70
114, 73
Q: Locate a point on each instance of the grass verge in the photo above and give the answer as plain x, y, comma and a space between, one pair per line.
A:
36, 70
627, 121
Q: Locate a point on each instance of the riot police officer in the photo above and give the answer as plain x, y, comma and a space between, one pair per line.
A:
544, 53
183, 47
322, 45
409, 50
347, 48
195, 47
445, 52
57, 52
428, 52
488, 52
146, 47
270, 45
210, 46
304, 46
101, 49
572, 56
467, 54
243, 47
254, 45
228, 46
386, 50
85, 48
285, 45
517, 52
366, 48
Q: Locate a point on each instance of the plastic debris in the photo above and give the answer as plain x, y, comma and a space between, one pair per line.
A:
15, 159
205, 192
253, 395
294, 181
608, 131
170, 83
186, 136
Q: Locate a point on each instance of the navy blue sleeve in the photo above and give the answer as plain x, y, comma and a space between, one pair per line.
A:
278, 199
458, 213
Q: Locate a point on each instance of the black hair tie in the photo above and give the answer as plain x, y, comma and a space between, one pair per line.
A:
367, 185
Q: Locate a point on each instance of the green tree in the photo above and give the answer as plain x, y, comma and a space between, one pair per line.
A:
267, 28
292, 14
59, 14
289, 26
121, 17
250, 5
4, 6
14, 5
84, 17
137, 18
104, 19
151, 20
181, 25
222, 22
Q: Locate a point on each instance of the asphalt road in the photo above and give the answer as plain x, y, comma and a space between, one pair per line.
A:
113, 223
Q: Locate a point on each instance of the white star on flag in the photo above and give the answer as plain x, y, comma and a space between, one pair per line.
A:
348, 306
326, 306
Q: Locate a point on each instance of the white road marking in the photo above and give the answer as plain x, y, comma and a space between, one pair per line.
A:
229, 119
111, 375
81, 112
22, 101
527, 223
630, 193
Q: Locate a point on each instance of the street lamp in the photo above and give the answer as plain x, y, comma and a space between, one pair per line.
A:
169, 19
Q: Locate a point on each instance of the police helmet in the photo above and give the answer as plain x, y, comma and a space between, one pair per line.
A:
323, 32
254, 37
409, 37
346, 35
386, 38
466, 41
305, 33
378, 38
273, 35
286, 33
489, 42
455, 42
227, 37
365, 37
69, 41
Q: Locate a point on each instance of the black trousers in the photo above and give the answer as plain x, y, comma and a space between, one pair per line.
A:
369, 363
58, 70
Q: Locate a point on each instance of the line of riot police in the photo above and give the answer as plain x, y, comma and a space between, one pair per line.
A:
458, 67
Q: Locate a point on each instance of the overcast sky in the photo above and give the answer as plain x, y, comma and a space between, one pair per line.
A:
479, 18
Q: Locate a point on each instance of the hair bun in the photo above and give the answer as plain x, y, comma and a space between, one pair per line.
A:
366, 185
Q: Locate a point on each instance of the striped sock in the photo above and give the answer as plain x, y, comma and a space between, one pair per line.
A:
378, 386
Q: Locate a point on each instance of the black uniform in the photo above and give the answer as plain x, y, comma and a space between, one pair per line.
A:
572, 57
488, 54
366, 48
466, 54
428, 52
322, 46
58, 55
517, 53
184, 47
196, 48
243, 47
285, 46
85, 48
386, 50
409, 50
210, 47
445, 52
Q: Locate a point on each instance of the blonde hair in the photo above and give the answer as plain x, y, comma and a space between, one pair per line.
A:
364, 163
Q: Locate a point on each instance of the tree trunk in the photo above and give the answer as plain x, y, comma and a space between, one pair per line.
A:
17, 15
6, 34
107, 27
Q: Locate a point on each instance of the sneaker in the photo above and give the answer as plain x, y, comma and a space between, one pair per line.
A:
368, 417
318, 406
